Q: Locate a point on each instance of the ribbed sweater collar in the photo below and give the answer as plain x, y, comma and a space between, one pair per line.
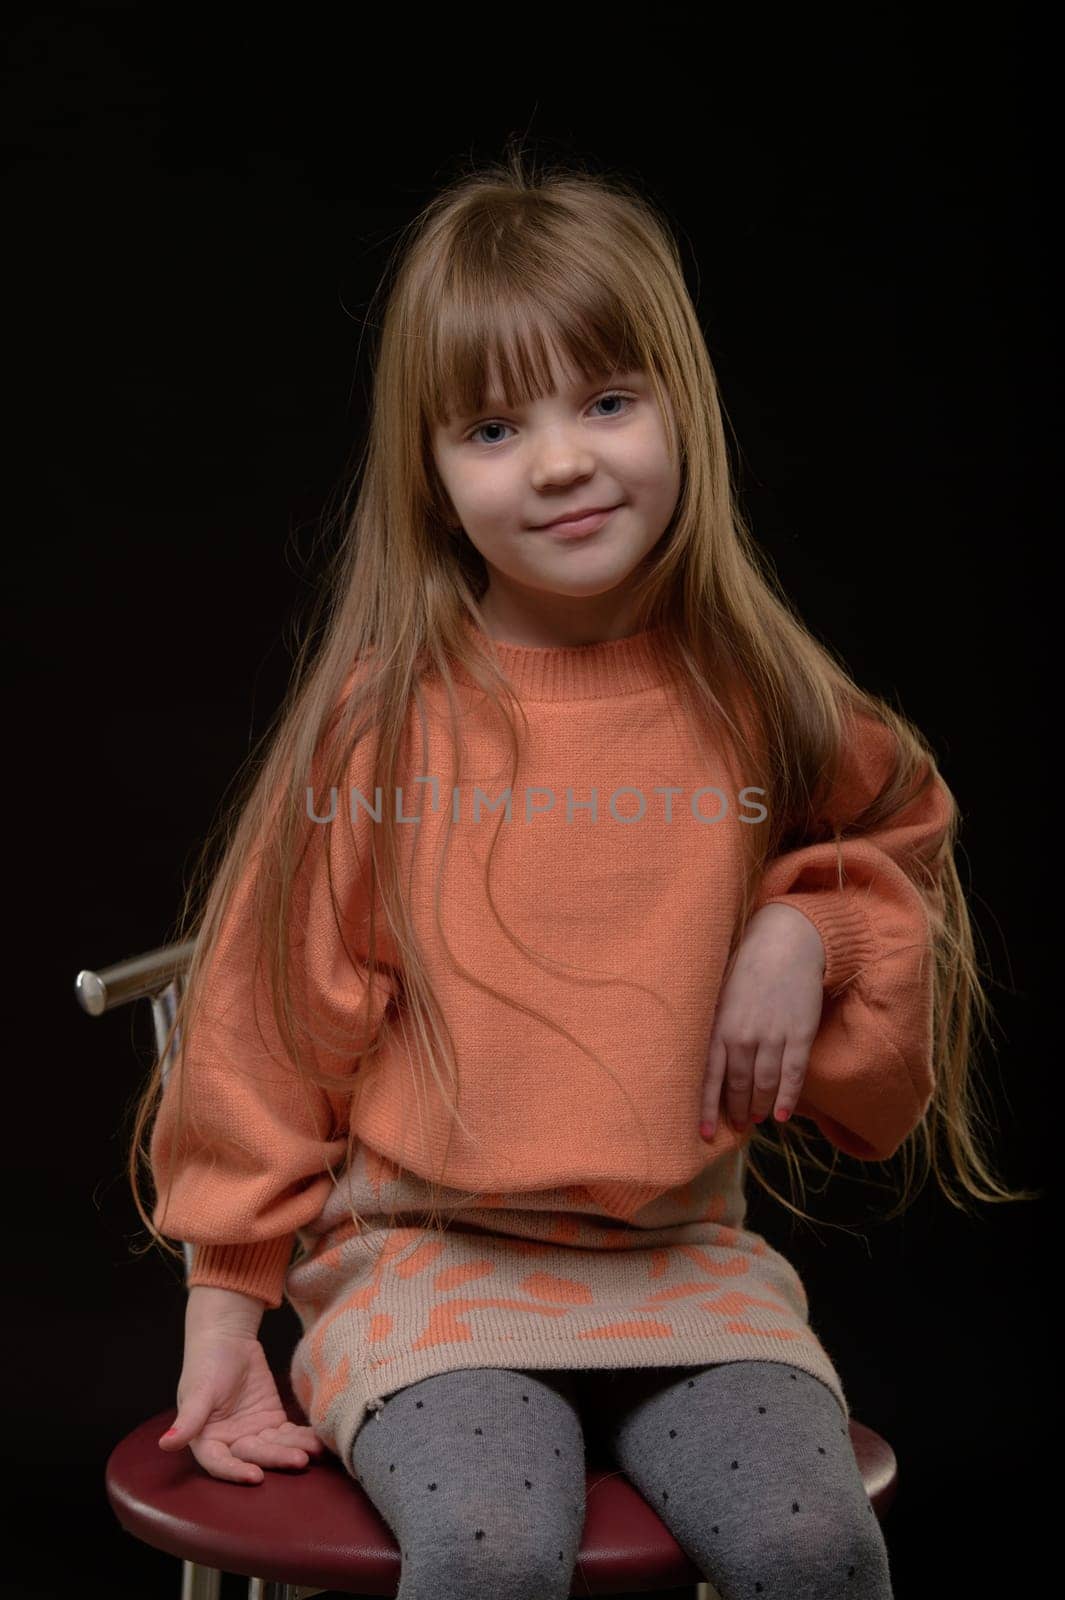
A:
577, 672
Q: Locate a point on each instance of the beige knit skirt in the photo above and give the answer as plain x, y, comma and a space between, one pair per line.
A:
538, 1279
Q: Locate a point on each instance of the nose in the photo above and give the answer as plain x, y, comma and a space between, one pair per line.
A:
561, 461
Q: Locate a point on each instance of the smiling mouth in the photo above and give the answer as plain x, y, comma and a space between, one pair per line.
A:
573, 527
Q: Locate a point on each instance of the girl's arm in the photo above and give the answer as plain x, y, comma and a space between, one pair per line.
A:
256, 1140
869, 1078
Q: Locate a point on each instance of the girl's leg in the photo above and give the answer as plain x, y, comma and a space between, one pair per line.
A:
480, 1475
750, 1466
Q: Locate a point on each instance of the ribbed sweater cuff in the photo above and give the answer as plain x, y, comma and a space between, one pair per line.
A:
845, 930
255, 1269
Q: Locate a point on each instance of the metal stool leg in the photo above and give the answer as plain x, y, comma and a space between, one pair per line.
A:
263, 1589
200, 1583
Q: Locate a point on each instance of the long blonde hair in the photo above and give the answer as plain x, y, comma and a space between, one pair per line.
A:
508, 262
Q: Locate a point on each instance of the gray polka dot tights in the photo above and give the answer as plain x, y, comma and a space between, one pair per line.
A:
480, 1475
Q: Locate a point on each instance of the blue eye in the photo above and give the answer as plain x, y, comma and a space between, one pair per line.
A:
471, 436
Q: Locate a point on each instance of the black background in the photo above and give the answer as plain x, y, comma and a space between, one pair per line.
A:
198, 210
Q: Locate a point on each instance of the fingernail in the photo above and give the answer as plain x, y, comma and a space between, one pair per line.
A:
757, 1120
782, 1116
706, 1130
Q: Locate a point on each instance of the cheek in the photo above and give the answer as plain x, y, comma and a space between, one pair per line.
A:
653, 491
642, 461
489, 498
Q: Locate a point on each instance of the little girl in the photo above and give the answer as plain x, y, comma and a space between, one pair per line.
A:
573, 859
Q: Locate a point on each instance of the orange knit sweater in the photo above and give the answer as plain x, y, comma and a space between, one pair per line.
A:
611, 869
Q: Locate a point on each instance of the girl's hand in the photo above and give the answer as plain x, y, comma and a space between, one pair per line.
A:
230, 1414
767, 1018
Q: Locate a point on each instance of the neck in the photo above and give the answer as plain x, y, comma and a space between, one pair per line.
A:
598, 670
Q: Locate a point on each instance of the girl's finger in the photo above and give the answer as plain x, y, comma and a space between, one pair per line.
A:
738, 1082
298, 1433
216, 1458
767, 1075
193, 1410
307, 1440
793, 1067
294, 1435
715, 1077
265, 1453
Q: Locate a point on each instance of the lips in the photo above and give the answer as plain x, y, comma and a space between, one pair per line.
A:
577, 516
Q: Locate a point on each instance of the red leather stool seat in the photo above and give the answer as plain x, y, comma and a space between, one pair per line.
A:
317, 1528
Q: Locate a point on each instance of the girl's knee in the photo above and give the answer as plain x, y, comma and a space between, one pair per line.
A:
488, 1563
860, 1558
811, 1556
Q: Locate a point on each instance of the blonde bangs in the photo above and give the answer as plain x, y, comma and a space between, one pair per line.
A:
491, 333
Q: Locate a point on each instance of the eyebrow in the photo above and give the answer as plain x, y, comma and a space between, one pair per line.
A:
495, 402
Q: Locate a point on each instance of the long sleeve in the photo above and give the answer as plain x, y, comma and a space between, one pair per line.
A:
257, 1139
869, 1078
